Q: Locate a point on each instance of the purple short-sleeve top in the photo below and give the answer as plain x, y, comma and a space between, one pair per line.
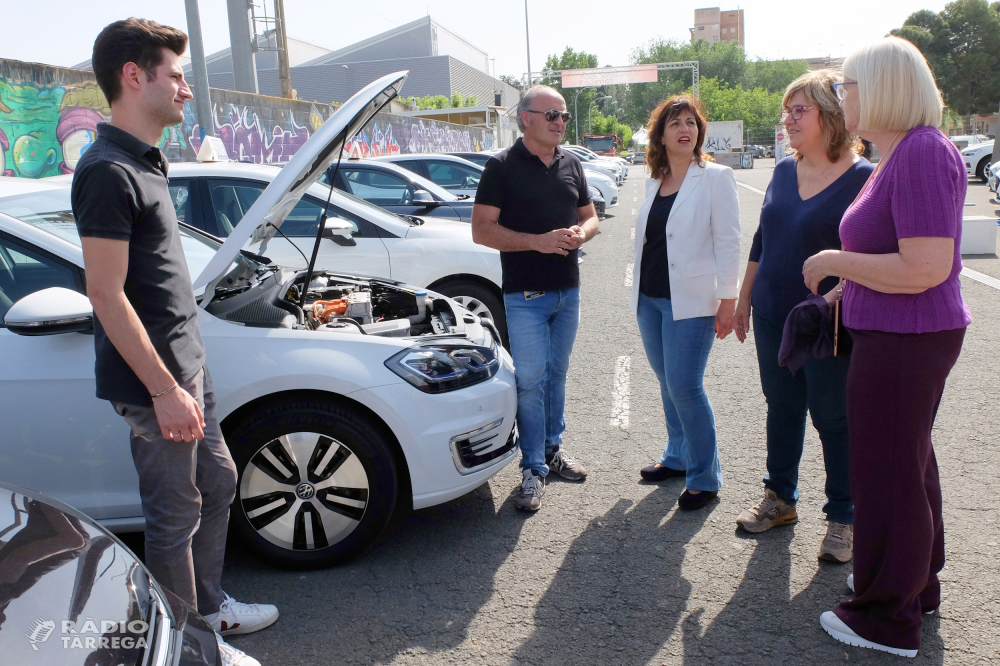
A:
919, 192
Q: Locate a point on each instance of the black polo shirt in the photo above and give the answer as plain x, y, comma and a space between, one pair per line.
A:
535, 199
120, 192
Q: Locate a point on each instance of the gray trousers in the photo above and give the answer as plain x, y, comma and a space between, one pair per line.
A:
186, 489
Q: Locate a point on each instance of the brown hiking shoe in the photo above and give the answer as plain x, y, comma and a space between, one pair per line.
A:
838, 546
772, 511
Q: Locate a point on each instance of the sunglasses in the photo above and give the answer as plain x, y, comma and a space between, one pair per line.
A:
552, 114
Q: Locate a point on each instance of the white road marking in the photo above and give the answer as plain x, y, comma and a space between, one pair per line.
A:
628, 273
633, 233
752, 189
633, 211
979, 277
620, 393
635, 198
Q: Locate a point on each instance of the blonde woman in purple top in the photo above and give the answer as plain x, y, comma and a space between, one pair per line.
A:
903, 305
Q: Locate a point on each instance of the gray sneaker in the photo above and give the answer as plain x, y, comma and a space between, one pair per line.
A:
772, 511
565, 466
838, 546
529, 497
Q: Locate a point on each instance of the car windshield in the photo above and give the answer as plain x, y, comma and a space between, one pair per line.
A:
52, 212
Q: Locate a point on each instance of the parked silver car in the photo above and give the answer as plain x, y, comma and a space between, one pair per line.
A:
455, 174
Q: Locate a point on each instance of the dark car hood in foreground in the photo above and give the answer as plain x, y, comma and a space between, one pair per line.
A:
71, 593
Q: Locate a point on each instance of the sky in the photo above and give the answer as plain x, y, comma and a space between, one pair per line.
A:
62, 32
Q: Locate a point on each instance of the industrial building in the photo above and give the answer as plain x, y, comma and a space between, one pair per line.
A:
440, 62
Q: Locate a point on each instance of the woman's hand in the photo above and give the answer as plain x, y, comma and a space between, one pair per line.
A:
724, 317
819, 267
741, 320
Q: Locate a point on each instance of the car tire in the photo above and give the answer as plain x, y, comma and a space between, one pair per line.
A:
343, 504
981, 169
479, 300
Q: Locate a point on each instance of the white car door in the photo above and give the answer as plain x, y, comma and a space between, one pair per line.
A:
56, 436
363, 254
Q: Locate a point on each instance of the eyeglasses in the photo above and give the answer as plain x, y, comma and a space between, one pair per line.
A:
552, 114
841, 90
795, 112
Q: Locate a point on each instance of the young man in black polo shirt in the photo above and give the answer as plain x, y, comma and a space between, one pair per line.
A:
150, 355
534, 206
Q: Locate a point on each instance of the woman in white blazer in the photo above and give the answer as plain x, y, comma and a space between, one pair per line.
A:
687, 253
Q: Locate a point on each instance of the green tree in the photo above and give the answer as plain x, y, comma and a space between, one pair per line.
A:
513, 82
962, 47
773, 75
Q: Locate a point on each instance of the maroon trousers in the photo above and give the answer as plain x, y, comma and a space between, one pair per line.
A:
894, 388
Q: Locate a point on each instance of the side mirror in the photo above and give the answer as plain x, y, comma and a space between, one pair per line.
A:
424, 198
49, 312
339, 231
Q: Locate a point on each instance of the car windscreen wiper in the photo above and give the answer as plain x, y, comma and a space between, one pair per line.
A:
462, 197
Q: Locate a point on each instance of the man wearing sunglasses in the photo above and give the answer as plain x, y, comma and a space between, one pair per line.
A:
534, 206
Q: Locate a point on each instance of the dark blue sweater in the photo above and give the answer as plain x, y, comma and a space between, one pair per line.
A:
792, 230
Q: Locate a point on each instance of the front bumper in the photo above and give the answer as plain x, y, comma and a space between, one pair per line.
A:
434, 431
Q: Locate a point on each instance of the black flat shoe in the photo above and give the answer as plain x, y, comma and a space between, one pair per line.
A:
689, 502
654, 473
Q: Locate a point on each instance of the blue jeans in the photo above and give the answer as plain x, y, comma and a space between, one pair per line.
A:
678, 352
821, 389
541, 330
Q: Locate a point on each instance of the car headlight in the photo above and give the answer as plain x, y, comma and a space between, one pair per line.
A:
594, 192
443, 368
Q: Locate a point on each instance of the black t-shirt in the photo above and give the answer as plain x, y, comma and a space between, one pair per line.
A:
535, 199
654, 276
120, 192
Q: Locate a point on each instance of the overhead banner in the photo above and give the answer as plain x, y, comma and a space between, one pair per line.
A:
609, 76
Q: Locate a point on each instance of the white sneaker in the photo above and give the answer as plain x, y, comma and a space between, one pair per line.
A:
233, 657
235, 617
836, 628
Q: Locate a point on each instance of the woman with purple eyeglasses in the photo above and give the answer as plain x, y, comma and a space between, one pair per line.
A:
805, 200
904, 308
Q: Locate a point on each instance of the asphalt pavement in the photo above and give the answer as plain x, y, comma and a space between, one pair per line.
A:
609, 571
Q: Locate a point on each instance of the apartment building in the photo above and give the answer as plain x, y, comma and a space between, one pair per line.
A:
715, 25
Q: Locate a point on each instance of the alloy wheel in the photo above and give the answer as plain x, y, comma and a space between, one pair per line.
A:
304, 491
474, 305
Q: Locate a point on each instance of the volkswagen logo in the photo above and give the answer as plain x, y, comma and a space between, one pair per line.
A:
305, 491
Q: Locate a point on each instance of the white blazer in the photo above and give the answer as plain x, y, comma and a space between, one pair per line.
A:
703, 241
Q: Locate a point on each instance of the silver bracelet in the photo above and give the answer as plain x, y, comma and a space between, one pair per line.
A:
157, 395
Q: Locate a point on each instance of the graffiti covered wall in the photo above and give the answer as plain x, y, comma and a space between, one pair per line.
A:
391, 134
49, 117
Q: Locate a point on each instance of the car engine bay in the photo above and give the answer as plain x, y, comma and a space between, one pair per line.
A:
335, 303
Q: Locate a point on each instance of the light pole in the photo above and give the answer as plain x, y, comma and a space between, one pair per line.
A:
589, 114
576, 117
527, 42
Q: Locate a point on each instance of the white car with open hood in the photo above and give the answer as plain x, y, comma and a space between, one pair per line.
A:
341, 396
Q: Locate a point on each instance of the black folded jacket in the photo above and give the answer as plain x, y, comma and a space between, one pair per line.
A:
808, 333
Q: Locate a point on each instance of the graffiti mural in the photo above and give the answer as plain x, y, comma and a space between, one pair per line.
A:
49, 118
247, 139
44, 129
380, 142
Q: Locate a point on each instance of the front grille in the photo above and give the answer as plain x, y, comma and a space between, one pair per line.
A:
472, 451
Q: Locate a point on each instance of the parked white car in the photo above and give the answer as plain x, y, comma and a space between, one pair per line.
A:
584, 152
963, 141
610, 169
341, 396
432, 252
977, 157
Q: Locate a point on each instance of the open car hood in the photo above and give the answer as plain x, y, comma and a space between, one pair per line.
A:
312, 160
